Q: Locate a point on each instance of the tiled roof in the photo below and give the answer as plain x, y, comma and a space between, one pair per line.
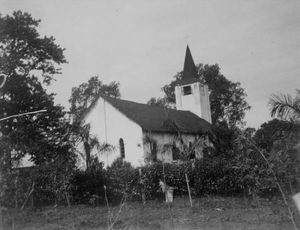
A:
159, 119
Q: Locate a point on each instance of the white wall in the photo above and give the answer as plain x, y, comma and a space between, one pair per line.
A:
24, 161
197, 102
116, 126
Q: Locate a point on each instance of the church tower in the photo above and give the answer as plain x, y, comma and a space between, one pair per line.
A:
190, 93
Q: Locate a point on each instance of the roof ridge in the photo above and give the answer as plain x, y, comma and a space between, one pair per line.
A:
144, 104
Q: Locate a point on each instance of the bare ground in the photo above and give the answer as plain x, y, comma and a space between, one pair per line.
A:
207, 213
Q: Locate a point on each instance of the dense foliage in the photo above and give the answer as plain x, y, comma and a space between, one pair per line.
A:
26, 58
24, 54
86, 94
243, 176
285, 106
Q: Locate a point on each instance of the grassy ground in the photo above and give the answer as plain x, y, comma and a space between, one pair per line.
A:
207, 213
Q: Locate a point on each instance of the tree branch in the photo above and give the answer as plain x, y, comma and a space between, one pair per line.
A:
22, 114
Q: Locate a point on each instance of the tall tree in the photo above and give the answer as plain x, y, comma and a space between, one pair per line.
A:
287, 108
24, 54
82, 99
23, 50
86, 94
159, 102
25, 59
273, 131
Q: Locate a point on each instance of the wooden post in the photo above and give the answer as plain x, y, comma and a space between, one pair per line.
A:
143, 192
67, 199
189, 190
28, 195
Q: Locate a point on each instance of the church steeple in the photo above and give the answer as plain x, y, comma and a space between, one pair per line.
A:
189, 73
190, 94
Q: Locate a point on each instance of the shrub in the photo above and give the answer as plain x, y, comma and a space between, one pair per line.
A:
88, 185
174, 175
217, 176
119, 178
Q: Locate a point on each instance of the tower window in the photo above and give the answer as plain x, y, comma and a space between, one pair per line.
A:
122, 148
187, 90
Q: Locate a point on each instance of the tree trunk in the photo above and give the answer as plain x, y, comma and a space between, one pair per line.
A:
87, 149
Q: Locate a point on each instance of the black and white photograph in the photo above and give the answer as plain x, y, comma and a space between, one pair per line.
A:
138, 114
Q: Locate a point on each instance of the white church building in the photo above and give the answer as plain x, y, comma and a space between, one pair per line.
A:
142, 133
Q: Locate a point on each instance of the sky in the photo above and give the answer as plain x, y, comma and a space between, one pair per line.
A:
141, 44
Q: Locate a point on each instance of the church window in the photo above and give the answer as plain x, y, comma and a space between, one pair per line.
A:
187, 90
122, 148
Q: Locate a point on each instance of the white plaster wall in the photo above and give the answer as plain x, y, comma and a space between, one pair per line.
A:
197, 102
205, 103
109, 125
24, 162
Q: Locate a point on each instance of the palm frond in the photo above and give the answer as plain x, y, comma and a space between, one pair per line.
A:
285, 107
94, 142
105, 147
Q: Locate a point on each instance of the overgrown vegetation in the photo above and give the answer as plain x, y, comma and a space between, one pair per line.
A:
241, 176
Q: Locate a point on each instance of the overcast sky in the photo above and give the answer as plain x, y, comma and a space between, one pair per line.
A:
141, 44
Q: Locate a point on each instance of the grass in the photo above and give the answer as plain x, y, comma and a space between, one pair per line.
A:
207, 213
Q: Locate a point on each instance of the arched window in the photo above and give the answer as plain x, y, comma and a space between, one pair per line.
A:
122, 148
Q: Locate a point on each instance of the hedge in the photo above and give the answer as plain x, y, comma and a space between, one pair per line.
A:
214, 176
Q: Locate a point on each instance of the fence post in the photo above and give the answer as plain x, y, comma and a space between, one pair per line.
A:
189, 190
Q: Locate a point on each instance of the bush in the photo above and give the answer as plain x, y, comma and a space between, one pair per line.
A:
119, 179
87, 187
122, 179
215, 176
50, 185
212, 175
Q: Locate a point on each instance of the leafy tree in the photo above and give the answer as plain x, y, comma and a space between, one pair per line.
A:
86, 94
24, 53
162, 102
82, 100
26, 57
271, 132
285, 107
287, 144
227, 98
23, 50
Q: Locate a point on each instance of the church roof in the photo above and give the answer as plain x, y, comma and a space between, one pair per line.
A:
189, 73
159, 119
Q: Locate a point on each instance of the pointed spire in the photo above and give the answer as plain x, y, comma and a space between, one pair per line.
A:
189, 65
189, 73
